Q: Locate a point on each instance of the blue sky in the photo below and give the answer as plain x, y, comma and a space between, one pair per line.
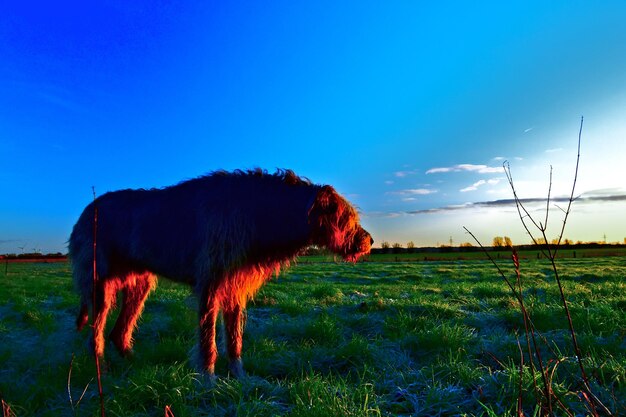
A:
407, 108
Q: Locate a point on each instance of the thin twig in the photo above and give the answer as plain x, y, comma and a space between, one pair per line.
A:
6, 410
83, 393
521, 209
93, 308
69, 390
557, 277
69, 380
571, 198
556, 397
520, 411
550, 252
545, 226
528, 329
547, 388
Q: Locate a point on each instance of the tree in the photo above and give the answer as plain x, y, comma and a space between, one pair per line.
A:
385, 245
396, 248
498, 242
411, 245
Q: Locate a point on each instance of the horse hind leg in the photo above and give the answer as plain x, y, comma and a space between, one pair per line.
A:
136, 289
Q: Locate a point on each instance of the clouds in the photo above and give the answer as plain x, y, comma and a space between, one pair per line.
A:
553, 150
406, 173
599, 196
480, 169
413, 191
472, 169
502, 205
409, 194
474, 187
605, 193
382, 214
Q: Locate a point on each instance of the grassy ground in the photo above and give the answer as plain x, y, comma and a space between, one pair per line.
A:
425, 338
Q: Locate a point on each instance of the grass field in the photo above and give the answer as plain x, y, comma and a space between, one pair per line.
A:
325, 339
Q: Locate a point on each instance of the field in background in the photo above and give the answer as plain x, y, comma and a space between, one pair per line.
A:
326, 339
593, 250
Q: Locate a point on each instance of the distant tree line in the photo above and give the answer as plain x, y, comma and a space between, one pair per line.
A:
33, 255
499, 243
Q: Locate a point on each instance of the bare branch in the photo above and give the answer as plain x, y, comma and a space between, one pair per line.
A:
550, 252
560, 208
548, 200
571, 198
93, 308
521, 209
528, 324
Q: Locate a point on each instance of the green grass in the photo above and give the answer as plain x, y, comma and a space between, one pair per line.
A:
326, 339
476, 254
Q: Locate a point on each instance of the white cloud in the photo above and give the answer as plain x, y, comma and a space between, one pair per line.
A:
528, 130
402, 174
602, 192
381, 214
481, 169
438, 170
499, 191
554, 150
474, 187
530, 203
413, 191
420, 191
